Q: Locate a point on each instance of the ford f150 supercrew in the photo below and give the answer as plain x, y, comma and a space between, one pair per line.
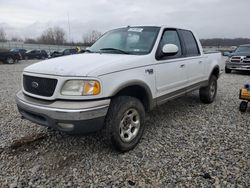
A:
126, 73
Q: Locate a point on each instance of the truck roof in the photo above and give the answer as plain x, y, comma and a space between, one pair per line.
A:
245, 45
160, 26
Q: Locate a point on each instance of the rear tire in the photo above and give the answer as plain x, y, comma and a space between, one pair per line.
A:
208, 93
10, 60
243, 106
124, 123
227, 70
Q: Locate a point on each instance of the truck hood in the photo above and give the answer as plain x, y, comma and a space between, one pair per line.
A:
89, 64
240, 54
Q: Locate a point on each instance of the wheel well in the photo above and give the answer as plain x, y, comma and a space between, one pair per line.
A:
216, 72
138, 92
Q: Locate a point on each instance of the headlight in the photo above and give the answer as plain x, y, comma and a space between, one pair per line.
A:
81, 88
228, 60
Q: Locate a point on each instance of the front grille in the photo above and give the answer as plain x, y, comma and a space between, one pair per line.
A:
39, 86
235, 59
240, 59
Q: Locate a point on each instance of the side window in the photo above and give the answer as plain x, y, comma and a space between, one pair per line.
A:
190, 43
169, 37
67, 52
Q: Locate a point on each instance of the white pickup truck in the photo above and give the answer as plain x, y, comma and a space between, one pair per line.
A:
126, 73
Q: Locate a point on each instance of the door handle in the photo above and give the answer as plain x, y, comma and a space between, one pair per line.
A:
182, 66
200, 62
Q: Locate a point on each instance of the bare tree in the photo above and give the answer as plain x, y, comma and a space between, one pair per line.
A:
16, 39
224, 42
54, 35
59, 35
47, 37
91, 37
30, 40
2, 35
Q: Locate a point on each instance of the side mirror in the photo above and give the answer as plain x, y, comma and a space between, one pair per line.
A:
170, 49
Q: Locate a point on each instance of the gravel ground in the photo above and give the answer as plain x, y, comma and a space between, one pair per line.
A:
185, 144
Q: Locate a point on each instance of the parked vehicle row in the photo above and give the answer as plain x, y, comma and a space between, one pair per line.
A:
16, 54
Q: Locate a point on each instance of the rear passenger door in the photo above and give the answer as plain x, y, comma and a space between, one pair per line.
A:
171, 71
194, 60
66, 52
73, 51
33, 54
38, 54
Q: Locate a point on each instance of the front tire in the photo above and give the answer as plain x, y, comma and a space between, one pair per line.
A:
227, 71
10, 60
208, 93
124, 123
243, 106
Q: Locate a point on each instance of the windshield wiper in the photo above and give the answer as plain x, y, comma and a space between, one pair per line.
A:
115, 49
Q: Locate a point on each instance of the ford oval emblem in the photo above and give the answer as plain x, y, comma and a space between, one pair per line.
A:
34, 84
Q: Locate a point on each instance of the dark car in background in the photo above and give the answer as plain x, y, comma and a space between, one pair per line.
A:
20, 51
36, 54
9, 57
239, 59
63, 52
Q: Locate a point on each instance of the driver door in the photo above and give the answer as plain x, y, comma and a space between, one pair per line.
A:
171, 71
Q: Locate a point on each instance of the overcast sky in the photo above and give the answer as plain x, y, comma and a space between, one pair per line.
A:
208, 18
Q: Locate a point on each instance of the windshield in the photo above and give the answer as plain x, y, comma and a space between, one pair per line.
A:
243, 49
130, 40
60, 51
14, 50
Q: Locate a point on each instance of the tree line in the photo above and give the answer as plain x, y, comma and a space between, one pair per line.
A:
224, 42
54, 36
57, 36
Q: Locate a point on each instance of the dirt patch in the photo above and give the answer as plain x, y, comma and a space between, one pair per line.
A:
24, 141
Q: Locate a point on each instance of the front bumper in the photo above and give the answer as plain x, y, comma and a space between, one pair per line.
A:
68, 116
238, 66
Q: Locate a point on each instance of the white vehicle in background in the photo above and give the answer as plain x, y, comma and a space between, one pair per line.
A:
127, 72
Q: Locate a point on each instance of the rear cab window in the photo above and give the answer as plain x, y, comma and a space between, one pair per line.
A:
190, 43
